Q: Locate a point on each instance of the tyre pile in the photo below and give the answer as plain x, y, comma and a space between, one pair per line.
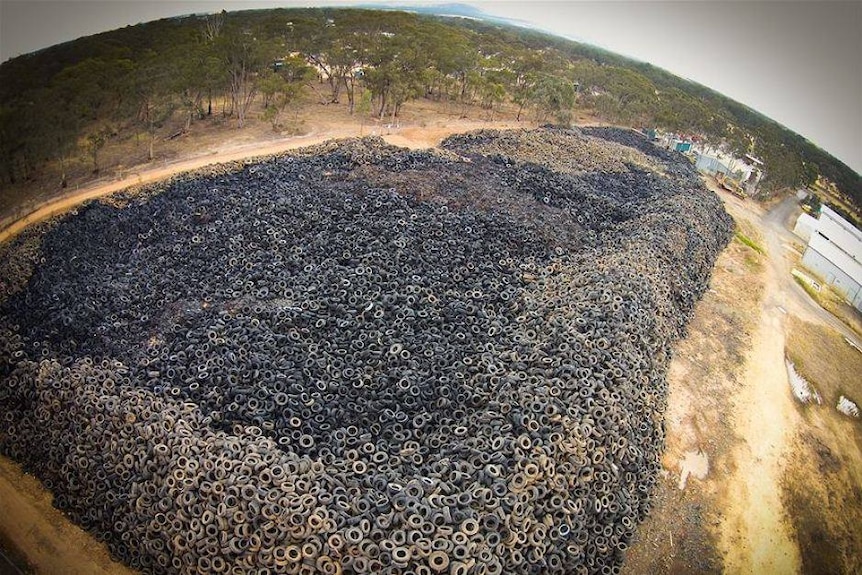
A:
362, 359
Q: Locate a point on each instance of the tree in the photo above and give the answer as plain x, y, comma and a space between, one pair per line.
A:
281, 88
527, 67
153, 87
94, 88
206, 73
398, 71
363, 108
491, 93
79, 96
314, 37
243, 56
452, 57
810, 173
553, 96
213, 24
196, 74
337, 48
95, 141
9, 142
270, 84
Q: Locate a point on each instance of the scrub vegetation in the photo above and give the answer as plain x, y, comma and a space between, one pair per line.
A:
63, 108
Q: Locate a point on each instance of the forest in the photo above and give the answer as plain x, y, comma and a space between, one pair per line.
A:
68, 101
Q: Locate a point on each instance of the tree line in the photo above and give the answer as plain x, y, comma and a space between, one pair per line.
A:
74, 97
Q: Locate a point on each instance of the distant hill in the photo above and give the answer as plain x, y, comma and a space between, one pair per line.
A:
453, 9
70, 100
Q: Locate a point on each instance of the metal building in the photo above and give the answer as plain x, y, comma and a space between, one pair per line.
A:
834, 253
805, 226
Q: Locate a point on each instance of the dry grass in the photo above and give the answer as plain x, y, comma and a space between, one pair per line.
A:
835, 304
747, 236
829, 300
824, 358
823, 487
745, 240
809, 289
827, 297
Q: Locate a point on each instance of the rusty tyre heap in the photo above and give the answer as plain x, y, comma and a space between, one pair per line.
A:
361, 359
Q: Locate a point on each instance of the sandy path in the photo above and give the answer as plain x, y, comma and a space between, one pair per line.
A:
52, 543
755, 535
414, 137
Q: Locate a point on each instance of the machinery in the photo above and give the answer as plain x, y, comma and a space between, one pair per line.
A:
730, 184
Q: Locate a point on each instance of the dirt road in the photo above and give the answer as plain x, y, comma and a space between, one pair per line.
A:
733, 427
415, 137
755, 535
775, 224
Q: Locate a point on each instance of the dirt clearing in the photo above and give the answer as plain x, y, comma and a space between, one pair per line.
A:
39, 538
823, 487
782, 489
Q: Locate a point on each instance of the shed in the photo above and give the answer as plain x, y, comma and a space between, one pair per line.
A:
805, 226
710, 165
834, 253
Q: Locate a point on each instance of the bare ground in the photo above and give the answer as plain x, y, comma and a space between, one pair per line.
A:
39, 537
781, 492
707, 372
823, 487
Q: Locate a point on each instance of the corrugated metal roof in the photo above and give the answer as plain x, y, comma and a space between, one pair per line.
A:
805, 226
841, 259
840, 231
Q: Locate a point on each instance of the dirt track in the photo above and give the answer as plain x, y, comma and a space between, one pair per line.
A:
409, 137
730, 405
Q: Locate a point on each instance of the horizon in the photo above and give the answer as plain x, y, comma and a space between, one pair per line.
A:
812, 86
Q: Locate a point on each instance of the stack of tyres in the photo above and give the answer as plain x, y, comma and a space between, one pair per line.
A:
362, 359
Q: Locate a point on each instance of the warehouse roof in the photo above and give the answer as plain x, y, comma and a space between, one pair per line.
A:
840, 232
841, 259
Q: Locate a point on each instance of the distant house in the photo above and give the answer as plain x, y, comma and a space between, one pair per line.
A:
834, 253
746, 171
711, 165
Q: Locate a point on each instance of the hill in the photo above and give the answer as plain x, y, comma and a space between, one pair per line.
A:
61, 108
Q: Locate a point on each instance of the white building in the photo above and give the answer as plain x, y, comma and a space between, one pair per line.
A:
805, 226
834, 253
747, 171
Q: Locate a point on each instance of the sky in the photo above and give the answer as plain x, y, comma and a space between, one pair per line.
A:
799, 63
